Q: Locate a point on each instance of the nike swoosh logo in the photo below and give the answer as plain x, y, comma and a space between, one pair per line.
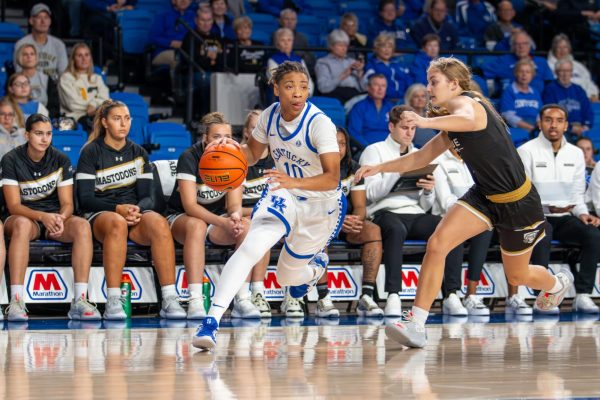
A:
330, 212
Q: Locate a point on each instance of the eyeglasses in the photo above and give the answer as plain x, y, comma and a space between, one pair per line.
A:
7, 115
21, 84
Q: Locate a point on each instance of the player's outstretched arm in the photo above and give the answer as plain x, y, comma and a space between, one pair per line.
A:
465, 116
409, 162
253, 150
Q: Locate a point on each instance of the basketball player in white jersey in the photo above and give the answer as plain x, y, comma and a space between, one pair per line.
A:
303, 202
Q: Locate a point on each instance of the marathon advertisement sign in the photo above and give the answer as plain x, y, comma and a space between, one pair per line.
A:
143, 289
486, 286
410, 280
43, 284
344, 282
182, 284
3, 291
273, 290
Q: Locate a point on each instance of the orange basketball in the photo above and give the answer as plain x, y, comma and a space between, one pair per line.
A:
223, 167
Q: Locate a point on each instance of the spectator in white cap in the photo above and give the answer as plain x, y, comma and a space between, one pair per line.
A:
51, 51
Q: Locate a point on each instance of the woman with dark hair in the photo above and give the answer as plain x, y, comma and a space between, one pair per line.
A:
356, 229
114, 184
198, 212
37, 184
19, 92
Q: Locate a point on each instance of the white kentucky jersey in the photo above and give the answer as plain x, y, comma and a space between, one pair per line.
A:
296, 145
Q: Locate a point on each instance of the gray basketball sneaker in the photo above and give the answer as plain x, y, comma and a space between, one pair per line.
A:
546, 301
407, 331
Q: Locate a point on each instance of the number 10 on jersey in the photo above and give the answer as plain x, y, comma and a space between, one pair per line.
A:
293, 170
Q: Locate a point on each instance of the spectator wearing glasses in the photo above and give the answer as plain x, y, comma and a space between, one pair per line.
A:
19, 92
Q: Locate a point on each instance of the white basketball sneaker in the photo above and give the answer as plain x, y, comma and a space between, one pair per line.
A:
196, 308
368, 308
407, 331
16, 310
326, 309
516, 305
291, 307
474, 305
452, 306
244, 308
547, 301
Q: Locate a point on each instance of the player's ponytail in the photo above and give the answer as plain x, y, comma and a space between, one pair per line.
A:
102, 113
454, 69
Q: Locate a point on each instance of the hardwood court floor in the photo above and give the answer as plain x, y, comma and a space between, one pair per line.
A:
465, 359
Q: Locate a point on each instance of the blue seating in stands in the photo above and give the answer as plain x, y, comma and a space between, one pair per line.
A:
310, 25
9, 34
333, 108
263, 22
363, 9
153, 6
70, 143
135, 30
519, 136
261, 36
171, 138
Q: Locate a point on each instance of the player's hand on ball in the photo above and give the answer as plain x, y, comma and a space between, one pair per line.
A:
222, 141
365, 171
279, 180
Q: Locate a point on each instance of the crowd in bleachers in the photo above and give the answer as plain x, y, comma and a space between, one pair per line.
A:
373, 69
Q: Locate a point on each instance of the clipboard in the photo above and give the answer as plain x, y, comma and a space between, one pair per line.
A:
408, 180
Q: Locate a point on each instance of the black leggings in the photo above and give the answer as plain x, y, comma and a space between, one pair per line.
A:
572, 231
478, 250
395, 229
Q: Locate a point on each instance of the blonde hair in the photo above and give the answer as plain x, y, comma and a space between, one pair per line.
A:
102, 113
454, 69
383, 38
242, 21
251, 114
20, 118
412, 89
213, 118
523, 62
21, 49
71, 67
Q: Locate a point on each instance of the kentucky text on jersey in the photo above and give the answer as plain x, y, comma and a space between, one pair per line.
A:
120, 175
282, 152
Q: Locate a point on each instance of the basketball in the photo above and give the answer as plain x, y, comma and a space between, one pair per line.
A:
223, 167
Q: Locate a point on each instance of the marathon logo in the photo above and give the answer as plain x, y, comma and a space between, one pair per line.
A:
47, 285
48, 351
40, 188
341, 283
273, 290
182, 286
121, 175
206, 195
486, 285
410, 280
136, 287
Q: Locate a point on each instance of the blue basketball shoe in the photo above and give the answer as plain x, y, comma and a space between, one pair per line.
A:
205, 337
319, 262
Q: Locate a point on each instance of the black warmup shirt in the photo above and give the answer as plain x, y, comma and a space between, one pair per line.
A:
37, 181
347, 173
187, 170
490, 156
107, 177
255, 181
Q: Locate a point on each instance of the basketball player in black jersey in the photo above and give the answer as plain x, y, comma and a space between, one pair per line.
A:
114, 184
502, 197
38, 189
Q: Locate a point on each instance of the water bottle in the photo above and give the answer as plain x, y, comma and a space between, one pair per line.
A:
126, 294
206, 293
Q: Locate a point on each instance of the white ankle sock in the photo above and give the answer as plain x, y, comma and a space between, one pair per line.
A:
258, 287
16, 290
168, 290
80, 290
420, 315
557, 286
195, 290
113, 292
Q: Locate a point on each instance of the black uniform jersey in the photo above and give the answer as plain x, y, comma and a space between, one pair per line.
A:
37, 181
187, 170
107, 177
255, 181
490, 156
347, 173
